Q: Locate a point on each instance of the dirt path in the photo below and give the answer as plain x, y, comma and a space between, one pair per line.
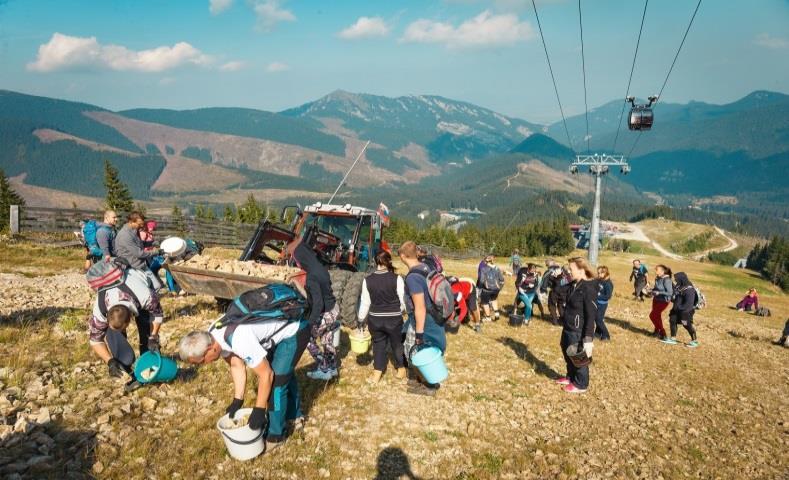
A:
731, 246
637, 234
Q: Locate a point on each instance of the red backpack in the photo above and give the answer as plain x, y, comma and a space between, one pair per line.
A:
104, 274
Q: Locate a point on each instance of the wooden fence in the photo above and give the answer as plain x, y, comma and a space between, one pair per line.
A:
210, 233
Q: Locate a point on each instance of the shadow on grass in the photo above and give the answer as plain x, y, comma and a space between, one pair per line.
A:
393, 464
66, 453
522, 351
35, 316
628, 326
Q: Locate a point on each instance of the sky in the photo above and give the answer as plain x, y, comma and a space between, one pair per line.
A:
278, 54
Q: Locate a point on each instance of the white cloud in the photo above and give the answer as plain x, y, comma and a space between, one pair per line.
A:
218, 6
64, 52
365, 27
233, 66
276, 67
270, 13
768, 41
484, 30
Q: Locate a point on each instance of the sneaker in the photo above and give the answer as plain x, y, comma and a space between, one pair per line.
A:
322, 375
693, 344
669, 341
573, 389
422, 390
496, 316
271, 446
478, 328
132, 385
562, 381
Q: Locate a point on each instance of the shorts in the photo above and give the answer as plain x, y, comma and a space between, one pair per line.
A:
471, 301
487, 296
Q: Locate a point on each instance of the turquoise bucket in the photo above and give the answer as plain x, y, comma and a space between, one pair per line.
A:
430, 362
165, 368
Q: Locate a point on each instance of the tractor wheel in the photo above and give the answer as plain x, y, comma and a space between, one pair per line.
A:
338, 280
349, 308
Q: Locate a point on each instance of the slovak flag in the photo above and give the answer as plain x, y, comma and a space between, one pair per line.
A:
383, 212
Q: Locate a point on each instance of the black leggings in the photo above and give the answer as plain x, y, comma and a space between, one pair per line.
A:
386, 330
685, 318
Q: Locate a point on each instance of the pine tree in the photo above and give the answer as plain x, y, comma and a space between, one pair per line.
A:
229, 215
179, 220
8, 197
118, 196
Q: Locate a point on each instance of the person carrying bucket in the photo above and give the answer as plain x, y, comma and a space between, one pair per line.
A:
251, 345
420, 328
578, 324
324, 313
112, 312
382, 305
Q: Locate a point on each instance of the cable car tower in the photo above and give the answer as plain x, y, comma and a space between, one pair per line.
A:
599, 165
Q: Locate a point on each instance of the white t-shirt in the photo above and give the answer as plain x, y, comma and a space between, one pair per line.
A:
246, 340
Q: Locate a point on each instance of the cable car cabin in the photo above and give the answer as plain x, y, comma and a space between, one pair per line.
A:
641, 116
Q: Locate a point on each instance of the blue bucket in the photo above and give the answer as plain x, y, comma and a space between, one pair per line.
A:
163, 369
430, 362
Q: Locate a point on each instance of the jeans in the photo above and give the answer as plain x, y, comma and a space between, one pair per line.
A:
527, 299
386, 330
556, 305
284, 403
578, 376
600, 328
638, 288
119, 345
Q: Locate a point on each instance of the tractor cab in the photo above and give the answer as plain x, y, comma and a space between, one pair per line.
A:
344, 237
641, 116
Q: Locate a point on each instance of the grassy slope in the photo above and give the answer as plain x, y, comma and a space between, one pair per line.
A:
652, 410
668, 233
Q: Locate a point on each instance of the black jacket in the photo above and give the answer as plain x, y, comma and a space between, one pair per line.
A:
580, 310
684, 294
317, 284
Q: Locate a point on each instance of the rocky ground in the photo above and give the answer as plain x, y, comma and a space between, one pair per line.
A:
653, 411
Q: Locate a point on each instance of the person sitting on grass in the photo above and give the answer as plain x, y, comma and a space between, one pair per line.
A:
683, 310
271, 349
421, 326
606, 291
749, 302
112, 312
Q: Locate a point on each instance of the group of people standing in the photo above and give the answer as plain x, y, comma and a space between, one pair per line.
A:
669, 289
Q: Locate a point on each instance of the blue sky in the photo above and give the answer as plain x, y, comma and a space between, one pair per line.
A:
273, 55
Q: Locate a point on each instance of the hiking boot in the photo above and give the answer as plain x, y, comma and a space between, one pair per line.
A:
401, 373
322, 375
573, 389
669, 341
132, 385
693, 344
375, 377
562, 381
422, 390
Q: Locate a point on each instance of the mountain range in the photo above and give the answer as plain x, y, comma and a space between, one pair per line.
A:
422, 147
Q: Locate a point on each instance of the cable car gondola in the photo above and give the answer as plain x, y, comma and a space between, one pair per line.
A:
641, 116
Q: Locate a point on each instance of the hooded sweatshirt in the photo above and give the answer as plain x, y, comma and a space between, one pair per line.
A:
317, 284
684, 293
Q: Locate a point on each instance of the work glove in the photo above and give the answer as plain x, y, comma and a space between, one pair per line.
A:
153, 343
234, 406
259, 419
588, 347
115, 368
420, 339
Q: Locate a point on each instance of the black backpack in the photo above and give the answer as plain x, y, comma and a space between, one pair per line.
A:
763, 312
278, 301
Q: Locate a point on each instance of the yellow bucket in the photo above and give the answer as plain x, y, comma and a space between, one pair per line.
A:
360, 342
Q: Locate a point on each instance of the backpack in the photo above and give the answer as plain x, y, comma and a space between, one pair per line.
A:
277, 301
763, 312
491, 279
701, 300
434, 263
89, 230
529, 283
442, 298
565, 279
105, 274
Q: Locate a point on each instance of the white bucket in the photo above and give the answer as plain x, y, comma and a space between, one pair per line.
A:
336, 339
173, 246
242, 443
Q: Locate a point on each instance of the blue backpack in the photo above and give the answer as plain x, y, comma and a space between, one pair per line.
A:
89, 230
278, 301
